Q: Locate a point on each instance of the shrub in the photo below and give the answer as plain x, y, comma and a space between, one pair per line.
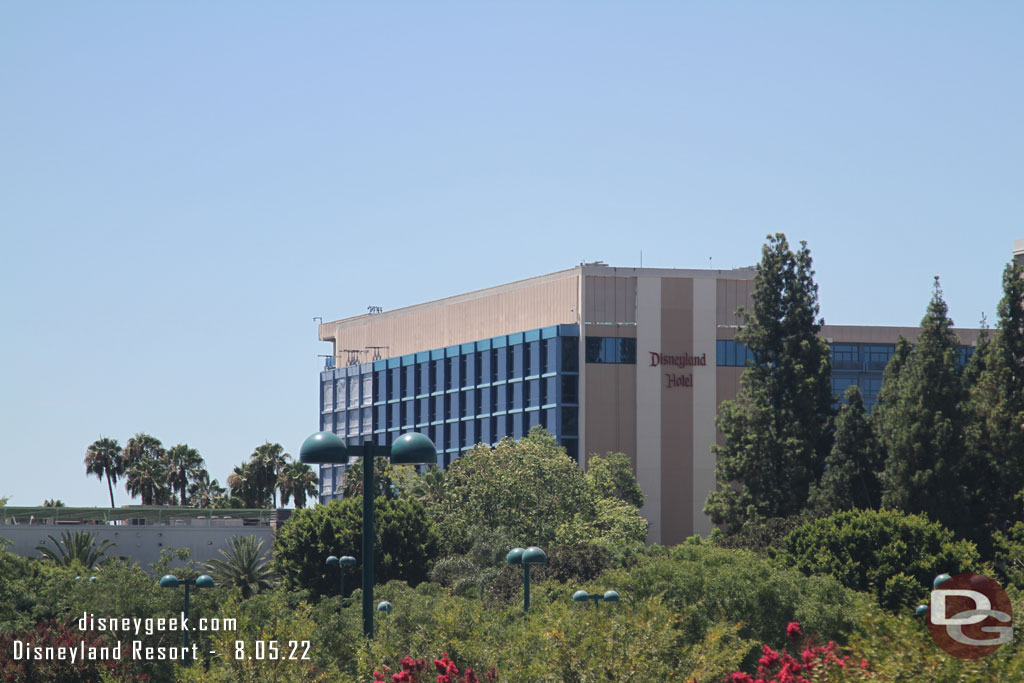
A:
867, 549
405, 547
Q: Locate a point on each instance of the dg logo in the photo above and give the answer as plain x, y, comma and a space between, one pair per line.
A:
969, 615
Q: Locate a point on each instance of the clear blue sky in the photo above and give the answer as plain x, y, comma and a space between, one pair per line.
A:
184, 186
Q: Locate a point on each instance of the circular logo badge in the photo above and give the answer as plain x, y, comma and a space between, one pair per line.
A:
970, 616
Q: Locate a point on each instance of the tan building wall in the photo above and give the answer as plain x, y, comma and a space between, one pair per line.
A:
525, 305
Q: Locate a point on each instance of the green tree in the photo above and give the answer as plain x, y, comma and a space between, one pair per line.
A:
850, 479
611, 476
297, 480
405, 545
144, 460
777, 429
183, 466
245, 565
204, 492
51, 503
922, 429
996, 409
147, 478
268, 460
391, 481
521, 491
80, 548
103, 458
879, 551
246, 483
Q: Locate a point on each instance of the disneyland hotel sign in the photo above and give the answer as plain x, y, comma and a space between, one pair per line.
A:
681, 361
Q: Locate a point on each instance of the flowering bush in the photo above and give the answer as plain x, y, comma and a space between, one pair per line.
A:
413, 669
813, 664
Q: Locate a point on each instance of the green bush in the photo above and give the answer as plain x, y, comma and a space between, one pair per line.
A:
866, 549
406, 544
736, 587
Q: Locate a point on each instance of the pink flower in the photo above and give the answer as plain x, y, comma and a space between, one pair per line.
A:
793, 630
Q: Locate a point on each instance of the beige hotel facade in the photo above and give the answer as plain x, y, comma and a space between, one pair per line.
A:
654, 351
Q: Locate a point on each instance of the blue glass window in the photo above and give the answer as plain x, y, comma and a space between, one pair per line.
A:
611, 350
846, 356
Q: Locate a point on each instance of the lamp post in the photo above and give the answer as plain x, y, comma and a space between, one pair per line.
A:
607, 596
341, 563
526, 557
384, 607
172, 581
325, 448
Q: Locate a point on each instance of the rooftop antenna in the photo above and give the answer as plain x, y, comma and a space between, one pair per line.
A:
641, 258
710, 267
316, 317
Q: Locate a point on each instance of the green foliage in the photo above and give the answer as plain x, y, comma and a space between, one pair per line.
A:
865, 549
204, 492
244, 566
63, 634
297, 480
79, 549
570, 565
54, 503
405, 547
390, 481
996, 434
712, 585
899, 648
529, 492
256, 482
280, 622
522, 490
927, 468
1009, 552
777, 429
611, 476
849, 480
559, 641
761, 538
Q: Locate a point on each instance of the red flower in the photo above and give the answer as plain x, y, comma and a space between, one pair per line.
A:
793, 630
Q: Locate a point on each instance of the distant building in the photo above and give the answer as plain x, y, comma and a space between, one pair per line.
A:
635, 360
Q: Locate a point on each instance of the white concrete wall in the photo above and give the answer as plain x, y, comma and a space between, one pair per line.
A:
141, 544
648, 404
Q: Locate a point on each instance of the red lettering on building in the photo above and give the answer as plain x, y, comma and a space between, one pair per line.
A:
673, 380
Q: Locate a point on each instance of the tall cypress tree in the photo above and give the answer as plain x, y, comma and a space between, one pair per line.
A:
996, 436
777, 429
850, 479
922, 426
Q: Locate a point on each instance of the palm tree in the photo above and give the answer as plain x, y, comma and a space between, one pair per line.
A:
183, 465
297, 481
269, 459
147, 478
104, 459
142, 446
245, 483
79, 548
244, 565
203, 492
145, 469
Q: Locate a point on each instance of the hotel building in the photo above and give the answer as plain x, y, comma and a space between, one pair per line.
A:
635, 360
